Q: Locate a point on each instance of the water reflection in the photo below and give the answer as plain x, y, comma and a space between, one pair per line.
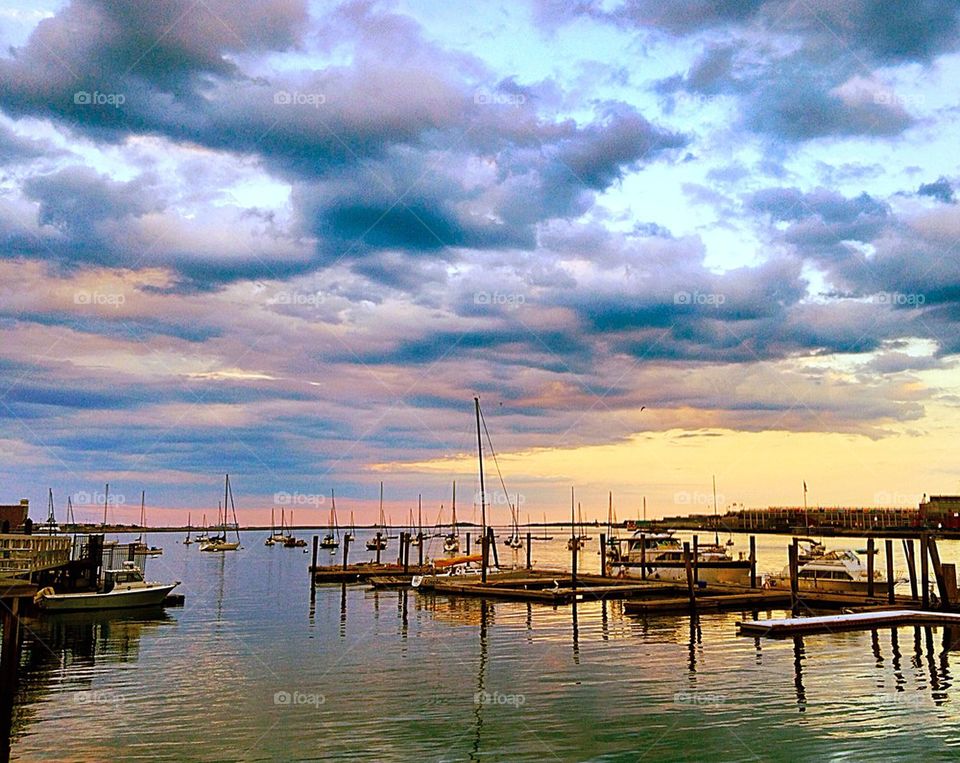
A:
481, 688
798, 657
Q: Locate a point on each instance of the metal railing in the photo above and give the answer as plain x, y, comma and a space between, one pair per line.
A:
24, 554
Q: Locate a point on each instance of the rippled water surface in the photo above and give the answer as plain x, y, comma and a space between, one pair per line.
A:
252, 669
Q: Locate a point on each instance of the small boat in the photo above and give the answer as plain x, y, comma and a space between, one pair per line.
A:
662, 554
220, 542
50, 527
292, 541
188, 540
838, 571
514, 541
122, 589
575, 541
373, 544
331, 540
544, 536
205, 535
416, 538
140, 546
453, 567
351, 534
451, 543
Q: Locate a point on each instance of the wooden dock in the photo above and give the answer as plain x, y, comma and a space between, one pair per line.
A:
794, 626
362, 573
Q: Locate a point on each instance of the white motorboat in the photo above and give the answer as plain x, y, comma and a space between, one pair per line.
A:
122, 589
839, 571
662, 554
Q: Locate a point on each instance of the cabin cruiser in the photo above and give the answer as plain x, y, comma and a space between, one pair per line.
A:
121, 589
662, 554
838, 571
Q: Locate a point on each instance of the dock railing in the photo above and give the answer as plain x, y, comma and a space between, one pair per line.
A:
21, 555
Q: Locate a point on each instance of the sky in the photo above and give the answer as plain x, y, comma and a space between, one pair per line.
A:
661, 242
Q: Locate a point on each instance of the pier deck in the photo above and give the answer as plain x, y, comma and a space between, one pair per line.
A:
793, 626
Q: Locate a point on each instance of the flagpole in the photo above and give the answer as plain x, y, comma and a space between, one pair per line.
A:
806, 519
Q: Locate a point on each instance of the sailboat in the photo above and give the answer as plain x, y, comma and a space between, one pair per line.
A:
544, 536
351, 534
188, 540
272, 537
372, 544
204, 536
575, 541
291, 540
451, 544
514, 540
583, 534
141, 546
50, 527
417, 537
220, 542
330, 540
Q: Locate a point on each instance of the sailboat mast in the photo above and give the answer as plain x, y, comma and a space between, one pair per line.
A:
483, 494
453, 524
226, 489
143, 515
716, 523
106, 499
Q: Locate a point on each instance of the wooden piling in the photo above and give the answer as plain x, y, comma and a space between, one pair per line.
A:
891, 583
313, 564
484, 558
753, 561
910, 556
696, 558
794, 574
691, 590
379, 538
10, 649
468, 544
346, 548
942, 588
420, 549
871, 553
603, 555
643, 557
573, 564
405, 538
924, 572
493, 547
950, 580
529, 552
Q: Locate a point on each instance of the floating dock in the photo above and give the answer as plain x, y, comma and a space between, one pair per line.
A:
794, 626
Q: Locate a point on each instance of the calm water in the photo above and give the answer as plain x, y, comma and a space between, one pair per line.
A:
250, 669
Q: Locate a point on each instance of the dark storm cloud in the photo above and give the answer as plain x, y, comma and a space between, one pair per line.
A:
940, 189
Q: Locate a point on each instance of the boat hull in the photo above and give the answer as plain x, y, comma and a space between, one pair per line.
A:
714, 575
151, 596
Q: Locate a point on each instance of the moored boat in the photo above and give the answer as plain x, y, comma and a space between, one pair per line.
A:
121, 589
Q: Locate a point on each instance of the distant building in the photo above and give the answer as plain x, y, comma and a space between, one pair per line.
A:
13, 515
941, 511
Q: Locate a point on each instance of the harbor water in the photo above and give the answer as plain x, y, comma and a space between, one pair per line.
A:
253, 668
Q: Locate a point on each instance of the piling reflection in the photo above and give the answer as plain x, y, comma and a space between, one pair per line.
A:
798, 657
481, 687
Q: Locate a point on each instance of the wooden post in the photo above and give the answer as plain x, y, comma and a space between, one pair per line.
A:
691, 590
888, 548
753, 561
420, 550
379, 539
871, 552
346, 548
950, 581
313, 565
10, 650
938, 572
924, 572
468, 544
911, 566
643, 557
794, 574
405, 537
493, 547
696, 560
131, 550
484, 557
529, 556
603, 555
573, 564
